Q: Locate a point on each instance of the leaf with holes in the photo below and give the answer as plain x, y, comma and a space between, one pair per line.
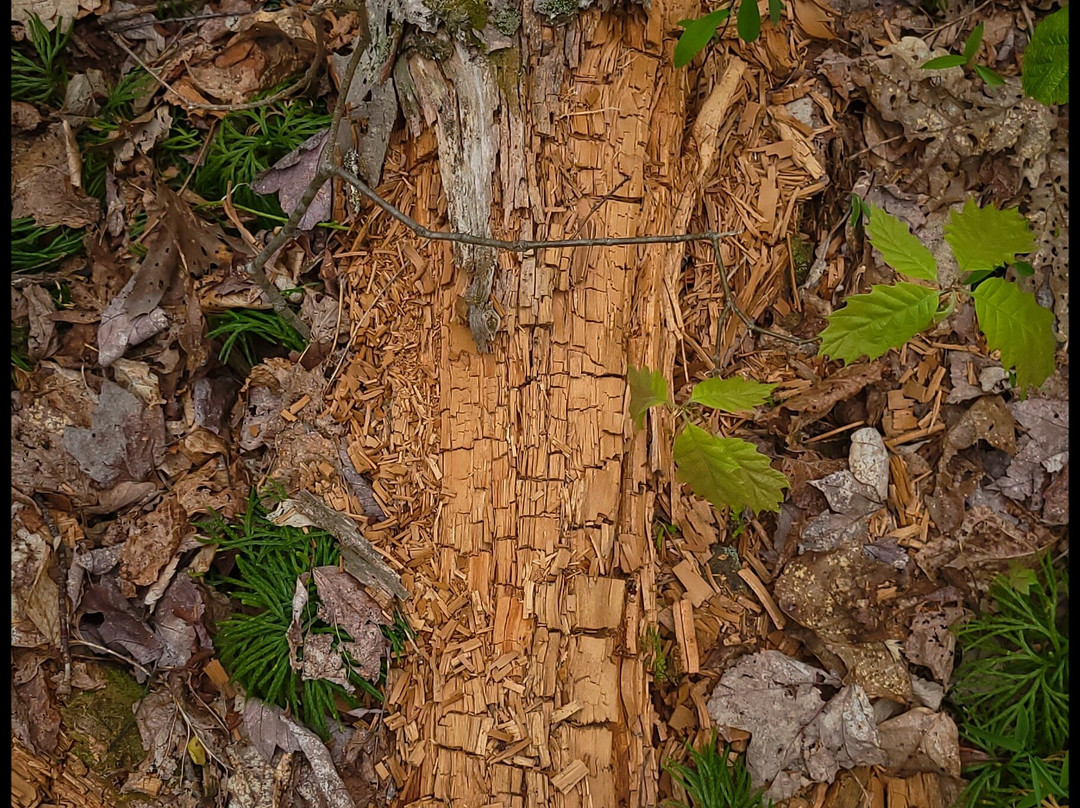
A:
648, 388
985, 238
728, 472
898, 247
1045, 75
731, 395
1015, 324
872, 324
697, 35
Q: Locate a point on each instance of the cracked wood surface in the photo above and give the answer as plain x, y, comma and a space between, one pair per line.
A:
535, 692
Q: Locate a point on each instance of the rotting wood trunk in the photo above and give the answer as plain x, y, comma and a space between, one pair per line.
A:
531, 689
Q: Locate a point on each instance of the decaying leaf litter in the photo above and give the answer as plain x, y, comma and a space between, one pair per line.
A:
129, 428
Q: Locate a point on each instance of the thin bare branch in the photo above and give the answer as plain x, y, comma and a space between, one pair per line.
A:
730, 306
518, 246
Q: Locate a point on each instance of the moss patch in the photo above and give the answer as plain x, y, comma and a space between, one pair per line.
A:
461, 15
101, 723
802, 256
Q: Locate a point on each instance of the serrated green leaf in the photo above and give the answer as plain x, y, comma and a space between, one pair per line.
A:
991, 77
971, 47
648, 388
1045, 74
735, 394
900, 249
1015, 324
748, 22
985, 238
776, 8
941, 62
697, 35
728, 472
872, 324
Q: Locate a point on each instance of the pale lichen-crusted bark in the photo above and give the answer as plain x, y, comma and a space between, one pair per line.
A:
536, 693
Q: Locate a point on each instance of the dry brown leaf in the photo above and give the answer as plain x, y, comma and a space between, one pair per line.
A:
931, 644
125, 442
289, 178
323, 661
985, 544
1043, 450
815, 402
921, 740
295, 633
796, 736
346, 605
122, 629
35, 618
40, 308
42, 186
35, 719
813, 19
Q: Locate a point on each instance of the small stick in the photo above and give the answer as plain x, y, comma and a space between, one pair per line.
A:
599, 204
63, 689
521, 246
731, 306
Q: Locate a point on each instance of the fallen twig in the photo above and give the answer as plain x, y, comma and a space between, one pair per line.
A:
63, 688
730, 306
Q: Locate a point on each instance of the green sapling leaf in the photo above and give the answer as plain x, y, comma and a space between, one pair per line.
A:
1045, 74
776, 8
1015, 324
872, 324
1023, 269
991, 77
731, 395
648, 388
941, 62
971, 47
728, 472
985, 238
898, 247
748, 22
697, 35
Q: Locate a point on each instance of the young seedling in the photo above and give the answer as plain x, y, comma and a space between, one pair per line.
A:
657, 659
1011, 691
698, 33
967, 58
714, 780
36, 249
728, 472
985, 241
41, 78
244, 327
253, 644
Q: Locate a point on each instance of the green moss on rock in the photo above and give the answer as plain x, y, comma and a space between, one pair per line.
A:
102, 726
556, 10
